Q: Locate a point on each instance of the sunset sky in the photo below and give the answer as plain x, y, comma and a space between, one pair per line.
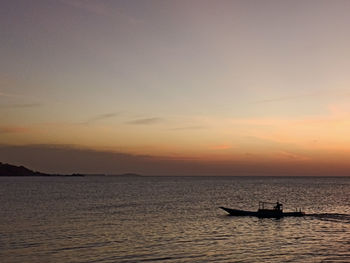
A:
176, 87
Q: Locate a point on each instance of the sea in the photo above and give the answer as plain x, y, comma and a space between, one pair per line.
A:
172, 219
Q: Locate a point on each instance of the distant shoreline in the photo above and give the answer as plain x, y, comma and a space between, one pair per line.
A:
9, 170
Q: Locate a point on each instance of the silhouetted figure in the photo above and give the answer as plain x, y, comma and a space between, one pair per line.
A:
278, 206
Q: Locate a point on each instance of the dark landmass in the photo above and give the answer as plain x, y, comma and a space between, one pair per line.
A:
12, 170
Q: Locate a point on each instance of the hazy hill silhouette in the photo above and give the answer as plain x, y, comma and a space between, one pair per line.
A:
13, 170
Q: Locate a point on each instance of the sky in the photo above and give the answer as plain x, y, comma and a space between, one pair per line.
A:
176, 87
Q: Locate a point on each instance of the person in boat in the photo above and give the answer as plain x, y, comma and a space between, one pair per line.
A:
278, 206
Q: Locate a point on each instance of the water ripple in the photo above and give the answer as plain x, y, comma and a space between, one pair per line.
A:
171, 220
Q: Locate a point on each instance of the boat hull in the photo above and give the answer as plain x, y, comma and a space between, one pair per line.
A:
236, 212
262, 213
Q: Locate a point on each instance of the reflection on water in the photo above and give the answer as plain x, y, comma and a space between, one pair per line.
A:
341, 218
171, 219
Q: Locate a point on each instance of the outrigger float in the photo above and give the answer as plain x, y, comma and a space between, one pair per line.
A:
264, 211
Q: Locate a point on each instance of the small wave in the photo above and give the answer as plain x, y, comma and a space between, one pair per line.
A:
335, 217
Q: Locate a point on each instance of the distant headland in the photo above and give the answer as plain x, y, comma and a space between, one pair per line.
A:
13, 170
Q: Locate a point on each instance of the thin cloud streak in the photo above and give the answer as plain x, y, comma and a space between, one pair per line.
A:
101, 117
146, 121
12, 129
8, 95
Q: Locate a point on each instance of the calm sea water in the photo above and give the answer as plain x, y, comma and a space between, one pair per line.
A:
171, 219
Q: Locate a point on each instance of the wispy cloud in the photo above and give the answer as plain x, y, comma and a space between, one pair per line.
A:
146, 121
12, 129
292, 156
221, 147
100, 117
8, 95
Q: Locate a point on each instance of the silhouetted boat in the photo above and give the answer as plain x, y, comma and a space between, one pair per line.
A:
263, 212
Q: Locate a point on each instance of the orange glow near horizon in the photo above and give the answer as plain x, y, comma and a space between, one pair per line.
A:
272, 140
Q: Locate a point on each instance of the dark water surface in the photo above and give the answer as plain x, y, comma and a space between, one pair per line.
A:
171, 219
